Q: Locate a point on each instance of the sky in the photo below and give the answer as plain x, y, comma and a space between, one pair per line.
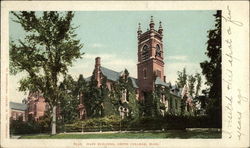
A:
112, 35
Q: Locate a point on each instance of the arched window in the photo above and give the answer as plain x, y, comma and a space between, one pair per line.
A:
145, 53
158, 50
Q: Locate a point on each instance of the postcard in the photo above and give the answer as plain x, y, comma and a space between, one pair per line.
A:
124, 74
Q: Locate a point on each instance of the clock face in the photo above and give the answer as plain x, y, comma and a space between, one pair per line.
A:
145, 52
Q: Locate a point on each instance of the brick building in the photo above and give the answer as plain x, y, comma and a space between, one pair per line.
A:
18, 111
36, 105
150, 70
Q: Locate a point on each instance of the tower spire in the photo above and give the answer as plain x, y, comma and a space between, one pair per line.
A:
139, 29
160, 28
152, 24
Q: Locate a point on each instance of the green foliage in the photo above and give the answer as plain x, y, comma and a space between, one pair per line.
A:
69, 99
183, 105
152, 106
110, 102
44, 122
212, 70
95, 124
46, 52
81, 85
31, 127
198, 86
94, 99
182, 78
191, 81
171, 122
114, 123
157, 105
133, 105
113, 100
149, 106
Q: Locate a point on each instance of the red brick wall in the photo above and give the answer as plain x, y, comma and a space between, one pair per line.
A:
36, 106
153, 64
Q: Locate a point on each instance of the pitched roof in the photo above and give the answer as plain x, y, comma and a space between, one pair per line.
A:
134, 82
158, 81
110, 74
18, 106
113, 76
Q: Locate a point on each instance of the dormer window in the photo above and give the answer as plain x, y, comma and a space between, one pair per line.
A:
158, 50
145, 53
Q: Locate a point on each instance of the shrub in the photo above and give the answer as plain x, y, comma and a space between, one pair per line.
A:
20, 127
95, 124
31, 126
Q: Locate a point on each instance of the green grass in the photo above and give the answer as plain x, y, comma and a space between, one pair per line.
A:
140, 135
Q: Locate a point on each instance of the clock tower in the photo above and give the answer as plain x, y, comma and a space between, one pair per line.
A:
150, 58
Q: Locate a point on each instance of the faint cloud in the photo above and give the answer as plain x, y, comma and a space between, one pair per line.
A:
96, 45
178, 58
93, 56
86, 65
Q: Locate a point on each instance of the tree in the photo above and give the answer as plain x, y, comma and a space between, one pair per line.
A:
191, 81
198, 85
81, 86
181, 82
68, 99
212, 69
94, 99
182, 78
45, 53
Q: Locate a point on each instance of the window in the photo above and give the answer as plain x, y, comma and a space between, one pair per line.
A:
158, 50
144, 73
145, 53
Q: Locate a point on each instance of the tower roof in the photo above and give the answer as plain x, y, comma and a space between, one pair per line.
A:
152, 24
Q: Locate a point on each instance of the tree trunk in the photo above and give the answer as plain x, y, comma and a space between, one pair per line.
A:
53, 132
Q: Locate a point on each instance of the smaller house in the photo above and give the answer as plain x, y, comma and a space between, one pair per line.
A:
17, 111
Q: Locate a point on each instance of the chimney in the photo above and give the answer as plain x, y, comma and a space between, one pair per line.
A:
97, 62
164, 78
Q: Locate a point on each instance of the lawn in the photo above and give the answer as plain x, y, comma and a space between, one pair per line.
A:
131, 135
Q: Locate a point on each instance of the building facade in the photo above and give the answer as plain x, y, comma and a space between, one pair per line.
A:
18, 111
150, 58
150, 72
36, 105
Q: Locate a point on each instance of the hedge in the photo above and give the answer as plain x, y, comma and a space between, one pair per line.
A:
114, 123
